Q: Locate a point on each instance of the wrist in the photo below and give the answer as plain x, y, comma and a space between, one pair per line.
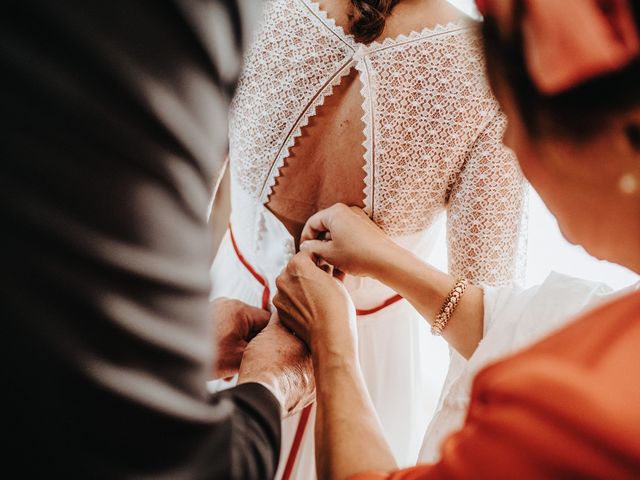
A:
277, 393
334, 334
387, 260
337, 349
331, 363
267, 381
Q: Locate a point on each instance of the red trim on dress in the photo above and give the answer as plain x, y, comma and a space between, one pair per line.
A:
266, 294
390, 301
297, 441
304, 416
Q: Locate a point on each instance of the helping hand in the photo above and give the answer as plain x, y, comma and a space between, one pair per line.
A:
352, 242
315, 305
235, 324
282, 363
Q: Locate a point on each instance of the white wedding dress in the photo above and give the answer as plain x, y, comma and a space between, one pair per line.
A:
432, 145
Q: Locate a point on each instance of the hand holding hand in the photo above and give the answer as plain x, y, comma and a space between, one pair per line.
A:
235, 324
282, 363
315, 305
352, 243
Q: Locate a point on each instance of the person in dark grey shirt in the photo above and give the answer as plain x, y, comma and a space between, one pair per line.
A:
113, 135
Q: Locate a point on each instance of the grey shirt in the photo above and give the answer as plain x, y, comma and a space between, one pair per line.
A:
113, 134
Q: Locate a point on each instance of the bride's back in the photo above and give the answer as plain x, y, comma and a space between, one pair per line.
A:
405, 127
326, 164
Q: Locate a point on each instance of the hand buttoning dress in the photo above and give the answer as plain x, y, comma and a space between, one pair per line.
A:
432, 144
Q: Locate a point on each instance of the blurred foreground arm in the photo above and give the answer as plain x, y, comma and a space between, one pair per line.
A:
114, 132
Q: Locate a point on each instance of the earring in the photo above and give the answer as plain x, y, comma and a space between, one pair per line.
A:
629, 184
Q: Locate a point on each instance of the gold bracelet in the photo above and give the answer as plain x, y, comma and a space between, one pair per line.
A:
449, 307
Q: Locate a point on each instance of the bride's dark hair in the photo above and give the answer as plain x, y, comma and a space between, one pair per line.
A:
367, 18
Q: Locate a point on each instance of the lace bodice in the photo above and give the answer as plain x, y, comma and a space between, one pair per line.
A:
432, 130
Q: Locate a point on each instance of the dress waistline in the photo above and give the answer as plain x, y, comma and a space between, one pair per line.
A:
266, 294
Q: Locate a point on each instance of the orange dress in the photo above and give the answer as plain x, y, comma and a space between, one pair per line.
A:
568, 407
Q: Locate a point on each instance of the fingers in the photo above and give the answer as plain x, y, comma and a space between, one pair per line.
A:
359, 211
321, 221
316, 224
319, 248
303, 261
339, 274
257, 319
320, 224
285, 319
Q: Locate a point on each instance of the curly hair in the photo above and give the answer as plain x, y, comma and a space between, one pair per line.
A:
367, 18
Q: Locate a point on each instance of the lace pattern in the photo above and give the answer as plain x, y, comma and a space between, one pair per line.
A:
429, 105
486, 214
432, 131
280, 89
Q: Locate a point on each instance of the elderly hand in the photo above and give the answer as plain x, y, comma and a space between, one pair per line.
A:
315, 305
351, 242
281, 362
235, 324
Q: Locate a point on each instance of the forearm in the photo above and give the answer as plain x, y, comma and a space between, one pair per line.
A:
349, 437
426, 288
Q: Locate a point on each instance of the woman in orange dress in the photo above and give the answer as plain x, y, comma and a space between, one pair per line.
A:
566, 75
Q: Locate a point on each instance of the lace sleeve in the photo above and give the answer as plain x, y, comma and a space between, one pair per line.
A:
486, 218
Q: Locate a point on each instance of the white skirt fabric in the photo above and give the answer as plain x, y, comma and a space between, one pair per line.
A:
404, 366
514, 318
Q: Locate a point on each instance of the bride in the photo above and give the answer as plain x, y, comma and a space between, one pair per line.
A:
382, 105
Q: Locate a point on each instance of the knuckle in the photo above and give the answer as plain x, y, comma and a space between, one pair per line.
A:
296, 264
277, 300
290, 270
235, 304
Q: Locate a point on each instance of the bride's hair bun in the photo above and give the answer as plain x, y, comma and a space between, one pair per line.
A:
368, 17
